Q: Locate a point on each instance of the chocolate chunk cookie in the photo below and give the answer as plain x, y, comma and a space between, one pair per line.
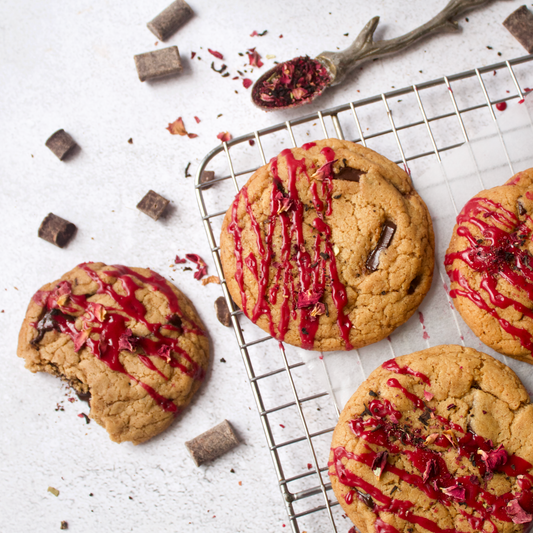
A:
124, 335
490, 265
328, 247
437, 440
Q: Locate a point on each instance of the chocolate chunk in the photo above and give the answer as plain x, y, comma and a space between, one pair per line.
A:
372, 393
366, 499
159, 63
64, 524
520, 25
212, 444
387, 233
153, 204
84, 396
175, 320
425, 416
56, 230
349, 174
60, 143
223, 312
47, 323
170, 19
206, 177
413, 285
521, 209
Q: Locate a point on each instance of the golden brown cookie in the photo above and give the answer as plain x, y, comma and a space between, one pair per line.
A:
328, 247
438, 441
124, 335
490, 265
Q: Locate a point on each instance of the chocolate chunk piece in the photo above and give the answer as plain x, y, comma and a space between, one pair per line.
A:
56, 230
84, 396
60, 143
387, 233
153, 204
64, 524
206, 177
212, 444
47, 323
520, 25
349, 174
170, 19
159, 63
521, 209
223, 312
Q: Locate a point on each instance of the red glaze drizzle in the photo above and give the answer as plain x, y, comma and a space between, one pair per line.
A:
499, 254
110, 324
379, 425
392, 366
313, 269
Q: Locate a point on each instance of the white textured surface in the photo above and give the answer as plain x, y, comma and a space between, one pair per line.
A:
70, 65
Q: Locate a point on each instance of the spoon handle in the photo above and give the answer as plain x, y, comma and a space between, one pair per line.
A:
339, 64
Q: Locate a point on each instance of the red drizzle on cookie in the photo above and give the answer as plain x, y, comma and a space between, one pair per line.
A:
498, 254
379, 425
297, 276
106, 330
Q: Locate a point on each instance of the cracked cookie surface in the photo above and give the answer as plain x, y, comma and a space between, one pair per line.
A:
439, 441
490, 265
328, 247
124, 335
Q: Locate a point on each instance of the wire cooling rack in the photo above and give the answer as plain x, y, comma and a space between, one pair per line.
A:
419, 125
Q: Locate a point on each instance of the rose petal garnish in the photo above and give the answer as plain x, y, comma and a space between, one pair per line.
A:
247, 83
193, 54
309, 298
450, 435
254, 58
218, 55
177, 127
455, 491
197, 120
224, 136
80, 339
430, 471
430, 439
517, 513
428, 395
325, 171
179, 261
192, 135
495, 458
164, 352
379, 463
128, 341
318, 309
201, 267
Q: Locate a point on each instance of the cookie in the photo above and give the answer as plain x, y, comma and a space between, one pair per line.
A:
124, 335
328, 247
490, 265
439, 441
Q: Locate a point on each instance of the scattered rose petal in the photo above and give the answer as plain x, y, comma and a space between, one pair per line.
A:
224, 136
192, 135
179, 261
197, 120
164, 352
325, 171
379, 463
218, 55
495, 458
254, 58
254, 33
83, 415
455, 491
211, 279
318, 309
177, 127
517, 513
428, 395
201, 267
247, 83
430, 471
251, 142
127, 341
193, 54
309, 298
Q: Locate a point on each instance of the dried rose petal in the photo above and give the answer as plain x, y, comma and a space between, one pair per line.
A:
450, 435
218, 55
164, 352
455, 491
253, 34
325, 171
430, 439
224, 136
193, 54
197, 120
495, 458
179, 261
428, 395
379, 463
430, 471
517, 513
192, 135
309, 298
254, 58
127, 341
318, 310
247, 83
80, 339
201, 267
177, 127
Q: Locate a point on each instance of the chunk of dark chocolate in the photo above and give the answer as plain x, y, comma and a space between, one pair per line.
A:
46, 323
212, 444
153, 204
170, 19
159, 63
385, 238
56, 230
520, 25
60, 143
222, 311
521, 209
206, 177
349, 174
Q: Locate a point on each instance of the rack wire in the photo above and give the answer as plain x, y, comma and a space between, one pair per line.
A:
413, 123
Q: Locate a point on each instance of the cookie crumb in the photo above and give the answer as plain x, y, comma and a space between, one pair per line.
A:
54, 491
64, 524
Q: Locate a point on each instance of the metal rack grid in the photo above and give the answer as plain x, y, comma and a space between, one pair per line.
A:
276, 380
